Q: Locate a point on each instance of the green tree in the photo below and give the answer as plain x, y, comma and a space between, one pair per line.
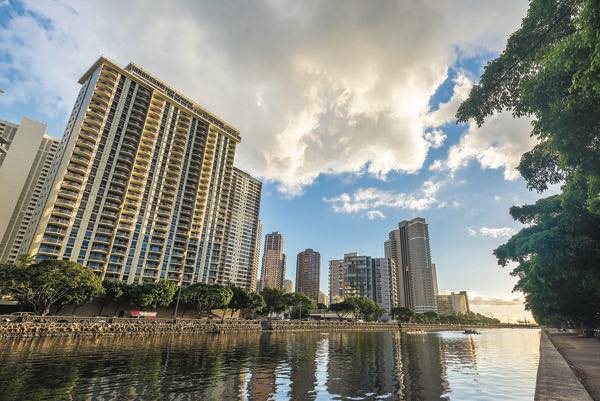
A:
240, 299
300, 304
49, 284
151, 295
256, 304
114, 290
368, 309
550, 71
403, 314
431, 317
275, 300
207, 297
344, 309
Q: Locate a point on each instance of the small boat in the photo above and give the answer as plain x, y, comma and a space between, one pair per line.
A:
471, 331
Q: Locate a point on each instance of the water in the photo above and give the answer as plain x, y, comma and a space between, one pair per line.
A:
496, 365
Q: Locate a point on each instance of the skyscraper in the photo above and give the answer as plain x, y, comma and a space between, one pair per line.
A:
409, 247
358, 276
385, 282
26, 154
456, 302
288, 286
243, 232
336, 279
308, 266
139, 189
273, 263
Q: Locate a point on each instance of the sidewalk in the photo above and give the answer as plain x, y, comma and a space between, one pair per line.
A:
555, 379
583, 355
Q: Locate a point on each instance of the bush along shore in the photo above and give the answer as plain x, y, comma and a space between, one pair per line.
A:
51, 326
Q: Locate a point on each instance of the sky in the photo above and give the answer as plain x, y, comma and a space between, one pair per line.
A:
346, 110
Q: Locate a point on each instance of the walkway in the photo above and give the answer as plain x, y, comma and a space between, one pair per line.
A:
555, 380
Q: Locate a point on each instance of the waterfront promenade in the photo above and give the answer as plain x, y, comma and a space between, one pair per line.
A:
560, 374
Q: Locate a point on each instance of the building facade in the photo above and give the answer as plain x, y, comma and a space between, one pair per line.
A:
358, 278
308, 266
456, 302
323, 298
242, 232
288, 286
409, 247
26, 155
385, 283
273, 263
336, 280
139, 188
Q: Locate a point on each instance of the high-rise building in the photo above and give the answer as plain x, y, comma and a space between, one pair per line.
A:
456, 302
392, 249
139, 189
323, 298
308, 266
26, 154
358, 276
336, 280
288, 286
385, 282
409, 247
243, 232
273, 263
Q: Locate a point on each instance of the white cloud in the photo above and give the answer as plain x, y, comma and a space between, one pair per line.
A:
374, 198
494, 232
315, 88
498, 144
375, 214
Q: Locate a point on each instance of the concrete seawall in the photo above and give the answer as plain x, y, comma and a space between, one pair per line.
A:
50, 326
555, 379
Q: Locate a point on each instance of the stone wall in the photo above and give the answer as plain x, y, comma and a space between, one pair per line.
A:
48, 327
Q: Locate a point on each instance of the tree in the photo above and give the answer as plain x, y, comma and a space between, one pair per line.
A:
550, 71
344, 309
301, 305
151, 295
240, 299
49, 284
368, 309
431, 317
256, 303
275, 300
403, 314
207, 297
114, 290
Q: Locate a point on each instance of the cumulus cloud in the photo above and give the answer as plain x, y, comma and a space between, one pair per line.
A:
494, 232
498, 144
370, 199
315, 87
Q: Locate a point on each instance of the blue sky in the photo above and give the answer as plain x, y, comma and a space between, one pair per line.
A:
346, 110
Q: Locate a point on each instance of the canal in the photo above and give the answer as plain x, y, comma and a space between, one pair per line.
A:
498, 364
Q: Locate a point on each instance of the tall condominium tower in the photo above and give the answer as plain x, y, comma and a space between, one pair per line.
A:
308, 266
242, 232
358, 276
409, 247
336, 280
392, 251
273, 263
26, 154
141, 182
385, 282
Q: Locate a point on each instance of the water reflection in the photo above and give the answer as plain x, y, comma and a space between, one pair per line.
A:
498, 364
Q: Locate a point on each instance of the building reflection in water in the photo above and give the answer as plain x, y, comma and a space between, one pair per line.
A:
257, 366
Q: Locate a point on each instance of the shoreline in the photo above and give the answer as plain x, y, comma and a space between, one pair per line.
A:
58, 326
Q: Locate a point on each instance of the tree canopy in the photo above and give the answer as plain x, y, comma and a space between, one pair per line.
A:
49, 284
550, 72
207, 297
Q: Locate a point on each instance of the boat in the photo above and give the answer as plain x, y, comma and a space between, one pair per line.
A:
471, 331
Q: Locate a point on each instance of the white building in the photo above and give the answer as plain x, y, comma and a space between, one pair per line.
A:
26, 155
